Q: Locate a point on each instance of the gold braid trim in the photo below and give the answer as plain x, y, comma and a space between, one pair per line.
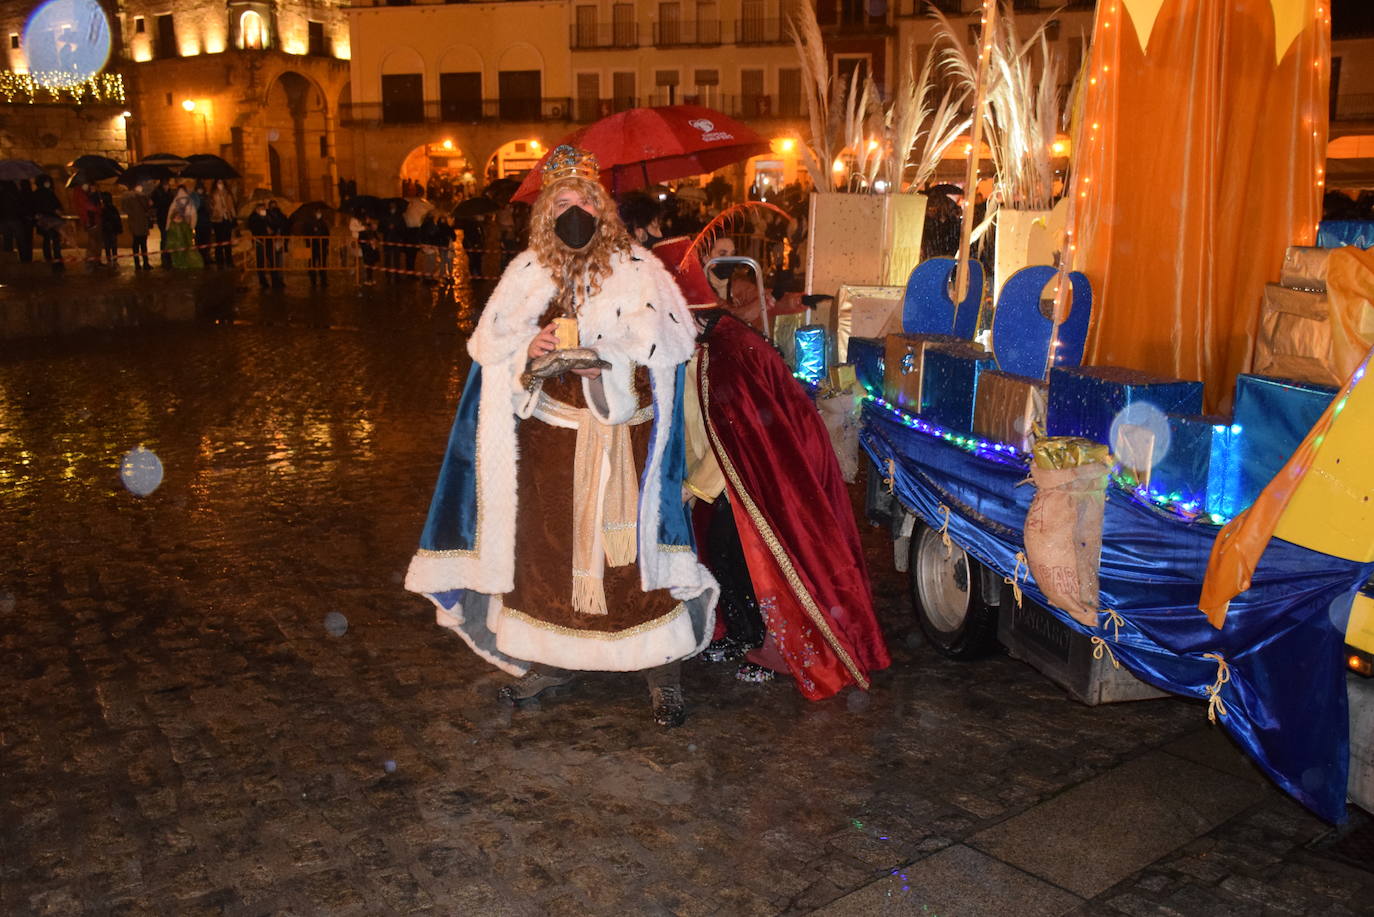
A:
477, 492
587, 634
784, 562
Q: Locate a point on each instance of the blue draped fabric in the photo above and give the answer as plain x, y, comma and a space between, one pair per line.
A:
1285, 701
452, 521
674, 518
1340, 233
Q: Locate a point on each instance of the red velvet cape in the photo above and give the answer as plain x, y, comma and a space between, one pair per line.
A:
793, 512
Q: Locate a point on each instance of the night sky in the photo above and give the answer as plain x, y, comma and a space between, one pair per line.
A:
1352, 18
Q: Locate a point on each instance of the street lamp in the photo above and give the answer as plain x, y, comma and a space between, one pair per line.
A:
191, 108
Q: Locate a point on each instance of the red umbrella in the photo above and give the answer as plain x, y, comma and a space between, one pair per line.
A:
640, 147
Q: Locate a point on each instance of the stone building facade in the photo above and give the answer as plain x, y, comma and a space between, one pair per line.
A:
258, 82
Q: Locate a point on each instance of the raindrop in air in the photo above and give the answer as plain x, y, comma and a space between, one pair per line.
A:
141, 472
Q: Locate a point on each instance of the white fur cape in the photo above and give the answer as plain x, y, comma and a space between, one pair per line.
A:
638, 318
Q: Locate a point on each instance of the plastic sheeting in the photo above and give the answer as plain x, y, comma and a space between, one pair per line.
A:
1340, 233
1284, 701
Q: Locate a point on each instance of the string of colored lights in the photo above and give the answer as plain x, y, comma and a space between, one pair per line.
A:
1184, 507
61, 87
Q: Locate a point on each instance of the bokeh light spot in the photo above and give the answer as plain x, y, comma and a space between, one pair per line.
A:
66, 41
1140, 435
335, 624
141, 471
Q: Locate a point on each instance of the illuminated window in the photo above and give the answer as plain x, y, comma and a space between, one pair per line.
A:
252, 31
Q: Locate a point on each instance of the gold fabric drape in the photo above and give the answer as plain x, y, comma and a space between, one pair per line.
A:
1199, 159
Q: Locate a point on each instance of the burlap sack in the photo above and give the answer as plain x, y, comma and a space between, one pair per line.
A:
1064, 536
840, 412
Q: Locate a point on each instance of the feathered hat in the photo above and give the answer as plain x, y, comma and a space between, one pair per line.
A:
569, 162
680, 261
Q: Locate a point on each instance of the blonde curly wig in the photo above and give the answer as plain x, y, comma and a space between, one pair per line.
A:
593, 261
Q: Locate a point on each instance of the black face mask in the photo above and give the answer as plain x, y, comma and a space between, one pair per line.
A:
723, 271
575, 227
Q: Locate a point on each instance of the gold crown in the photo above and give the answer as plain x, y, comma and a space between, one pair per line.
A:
567, 161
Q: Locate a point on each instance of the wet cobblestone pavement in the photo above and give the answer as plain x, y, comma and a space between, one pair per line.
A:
217, 699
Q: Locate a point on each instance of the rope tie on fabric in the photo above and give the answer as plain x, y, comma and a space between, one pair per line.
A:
1099, 647
944, 531
1115, 620
1215, 707
1014, 581
891, 475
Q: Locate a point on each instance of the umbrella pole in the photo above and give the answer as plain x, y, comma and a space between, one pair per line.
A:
980, 97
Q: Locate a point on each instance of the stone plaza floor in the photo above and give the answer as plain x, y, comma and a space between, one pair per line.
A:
217, 698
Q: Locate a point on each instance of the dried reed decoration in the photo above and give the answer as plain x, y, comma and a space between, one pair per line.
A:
851, 125
1025, 107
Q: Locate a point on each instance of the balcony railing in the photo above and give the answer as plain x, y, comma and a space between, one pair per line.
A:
477, 111
594, 37
760, 31
456, 111
701, 33
914, 8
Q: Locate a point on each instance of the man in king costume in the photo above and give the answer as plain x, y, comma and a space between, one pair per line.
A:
557, 540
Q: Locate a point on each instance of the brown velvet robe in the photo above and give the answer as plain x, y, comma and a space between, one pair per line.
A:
543, 527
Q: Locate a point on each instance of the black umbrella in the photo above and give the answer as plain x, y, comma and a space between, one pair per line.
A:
175, 163
94, 168
475, 207
80, 178
502, 189
206, 165
19, 169
400, 202
144, 172
364, 205
307, 211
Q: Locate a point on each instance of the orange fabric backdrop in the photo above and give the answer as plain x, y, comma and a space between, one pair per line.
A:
1197, 164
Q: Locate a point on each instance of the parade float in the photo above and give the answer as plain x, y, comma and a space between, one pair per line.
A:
1158, 476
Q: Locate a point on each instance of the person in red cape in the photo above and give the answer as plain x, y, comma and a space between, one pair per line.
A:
756, 439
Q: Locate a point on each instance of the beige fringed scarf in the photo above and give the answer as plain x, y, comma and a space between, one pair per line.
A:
605, 498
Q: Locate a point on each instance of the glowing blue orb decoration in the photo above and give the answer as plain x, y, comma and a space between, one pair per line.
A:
1140, 435
67, 41
141, 471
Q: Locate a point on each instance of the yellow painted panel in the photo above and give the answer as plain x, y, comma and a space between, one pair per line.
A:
1143, 13
1360, 632
1332, 509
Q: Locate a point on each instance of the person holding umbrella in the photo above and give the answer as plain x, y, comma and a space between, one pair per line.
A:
557, 541
139, 211
86, 206
223, 213
110, 227
47, 215
16, 220
393, 230
317, 229
161, 197
265, 230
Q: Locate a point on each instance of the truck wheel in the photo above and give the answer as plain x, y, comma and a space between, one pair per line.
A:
947, 588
